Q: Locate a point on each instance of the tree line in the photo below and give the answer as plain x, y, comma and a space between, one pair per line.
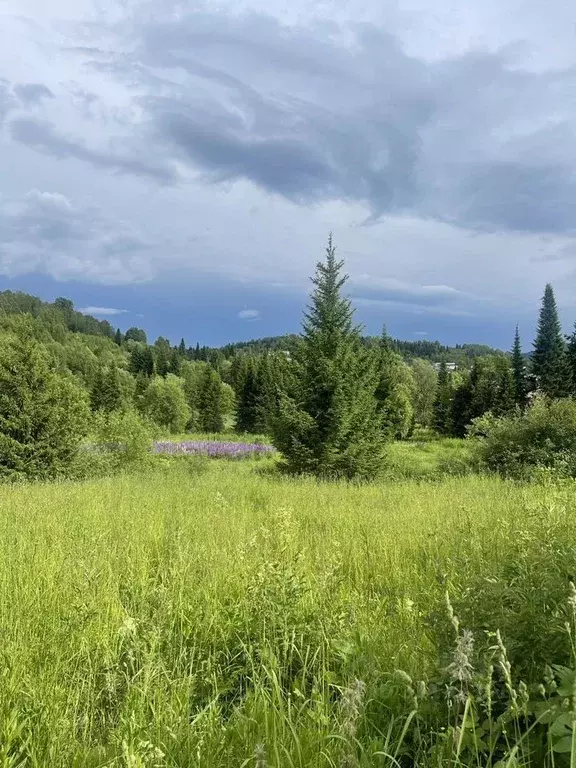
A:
330, 398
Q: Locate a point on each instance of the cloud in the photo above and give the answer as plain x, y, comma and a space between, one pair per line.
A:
370, 288
103, 311
565, 253
43, 136
313, 114
32, 93
7, 100
420, 333
249, 314
45, 232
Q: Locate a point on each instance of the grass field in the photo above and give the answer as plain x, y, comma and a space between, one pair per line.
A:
213, 614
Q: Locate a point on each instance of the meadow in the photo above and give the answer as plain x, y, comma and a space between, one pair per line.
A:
212, 613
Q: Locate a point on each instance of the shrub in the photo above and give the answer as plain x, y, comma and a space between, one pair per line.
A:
544, 436
164, 401
43, 414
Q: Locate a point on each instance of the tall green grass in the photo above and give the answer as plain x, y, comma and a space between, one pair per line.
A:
214, 615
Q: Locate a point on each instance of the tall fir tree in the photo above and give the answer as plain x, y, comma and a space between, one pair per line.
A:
210, 401
331, 427
118, 338
182, 348
519, 372
443, 402
549, 360
247, 396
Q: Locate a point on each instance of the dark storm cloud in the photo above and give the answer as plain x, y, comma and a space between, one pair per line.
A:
46, 232
43, 136
473, 140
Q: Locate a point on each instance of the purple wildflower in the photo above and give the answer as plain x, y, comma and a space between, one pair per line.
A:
212, 448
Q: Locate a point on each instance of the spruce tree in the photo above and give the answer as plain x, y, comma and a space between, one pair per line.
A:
43, 414
519, 372
247, 397
210, 401
175, 362
106, 394
331, 427
118, 338
549, 361
443, 402
182, 348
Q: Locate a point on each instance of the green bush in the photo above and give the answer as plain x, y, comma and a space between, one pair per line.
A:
519, 446
164, 402
43, 414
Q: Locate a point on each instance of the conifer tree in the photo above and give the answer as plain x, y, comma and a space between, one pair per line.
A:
43, 414
182, 348
549, 361
175, 361
519, 372
394, 390
443, 402
247, 397
106, 393
210, 401
331, 427
162, 361
118, 338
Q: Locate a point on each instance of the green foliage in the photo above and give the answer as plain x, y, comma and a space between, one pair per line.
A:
571, 356
106, 394
549, 362
519, 372
136, 334
141, 361
543, 436
43, 414
245, 375
394, 392
331, 426
424, 391
490, 386
210, 401
164, 402
443, 401
125, 438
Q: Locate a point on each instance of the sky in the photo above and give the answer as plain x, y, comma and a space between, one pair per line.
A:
178, 165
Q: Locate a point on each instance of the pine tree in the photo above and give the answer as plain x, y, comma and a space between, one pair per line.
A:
210, 401
182, 348
549, 360
443, 402
118, 338
519, 372
331, 427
